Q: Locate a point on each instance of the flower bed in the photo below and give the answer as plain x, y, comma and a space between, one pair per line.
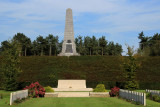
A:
35, 90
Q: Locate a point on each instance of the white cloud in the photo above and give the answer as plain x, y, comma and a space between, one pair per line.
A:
55, 9
114, 16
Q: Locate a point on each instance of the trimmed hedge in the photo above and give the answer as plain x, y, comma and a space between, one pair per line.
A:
95, 69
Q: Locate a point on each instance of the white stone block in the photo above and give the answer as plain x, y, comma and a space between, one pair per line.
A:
19, 94
72, 85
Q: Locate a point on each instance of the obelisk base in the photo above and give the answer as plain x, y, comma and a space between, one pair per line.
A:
68, 54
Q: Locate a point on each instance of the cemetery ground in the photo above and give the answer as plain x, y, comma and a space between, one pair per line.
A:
73, 102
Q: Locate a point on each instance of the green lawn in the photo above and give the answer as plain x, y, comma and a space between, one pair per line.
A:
73, 102
6, 98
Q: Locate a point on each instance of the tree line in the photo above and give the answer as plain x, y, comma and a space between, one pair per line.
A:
93, 46
149, 45
50, 45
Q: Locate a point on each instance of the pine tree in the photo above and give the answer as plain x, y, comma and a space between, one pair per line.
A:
10, 67
130, 68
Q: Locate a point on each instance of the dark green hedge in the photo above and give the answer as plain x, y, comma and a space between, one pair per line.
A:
95, 69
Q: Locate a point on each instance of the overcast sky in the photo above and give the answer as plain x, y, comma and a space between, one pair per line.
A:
118, 20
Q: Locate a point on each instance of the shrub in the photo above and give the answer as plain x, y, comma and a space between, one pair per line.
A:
149, 95
100, 88
153, 97
35, 90
156, 98
48, 89
114, 92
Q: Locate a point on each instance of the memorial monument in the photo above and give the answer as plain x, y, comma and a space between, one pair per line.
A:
72, 85
68, 46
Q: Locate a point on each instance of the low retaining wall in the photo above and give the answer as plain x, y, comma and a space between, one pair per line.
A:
19, 94
133, 96
153, 92
77, 94
51, 94
99, 94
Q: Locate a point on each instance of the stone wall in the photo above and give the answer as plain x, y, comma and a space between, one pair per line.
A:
99, 94
51, 94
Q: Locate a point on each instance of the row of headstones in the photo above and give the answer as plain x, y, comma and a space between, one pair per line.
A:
133, 96
18, 95
153, 92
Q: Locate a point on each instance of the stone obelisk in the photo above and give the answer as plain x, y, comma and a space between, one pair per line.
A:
69, 46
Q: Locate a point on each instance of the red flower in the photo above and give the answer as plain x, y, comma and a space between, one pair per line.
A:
114, 91
35, 90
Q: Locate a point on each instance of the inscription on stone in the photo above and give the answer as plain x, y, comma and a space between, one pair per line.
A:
69, 48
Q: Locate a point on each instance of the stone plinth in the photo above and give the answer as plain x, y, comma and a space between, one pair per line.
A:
72, 85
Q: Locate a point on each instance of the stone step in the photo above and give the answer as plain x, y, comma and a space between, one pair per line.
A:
72, 89
73, 94
55, 94
99, 94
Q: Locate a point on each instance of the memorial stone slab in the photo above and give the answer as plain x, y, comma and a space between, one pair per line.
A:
72, 85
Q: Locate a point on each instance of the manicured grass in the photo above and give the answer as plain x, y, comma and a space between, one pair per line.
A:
73, 102
6, 98
81, 102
